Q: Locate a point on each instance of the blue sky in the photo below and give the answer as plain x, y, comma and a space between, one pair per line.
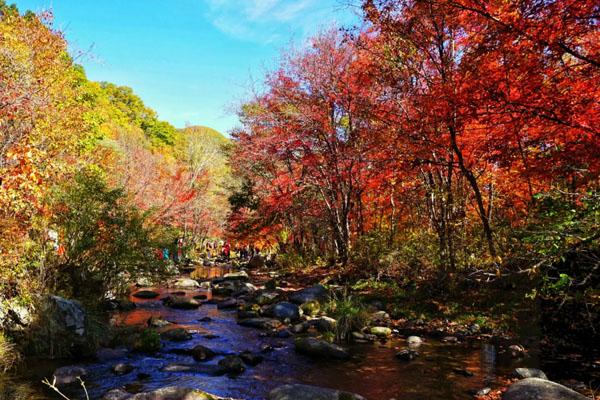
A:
193, 61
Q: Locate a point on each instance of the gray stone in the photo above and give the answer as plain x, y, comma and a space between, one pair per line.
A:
236, 276
320, 348
523, 373
540, 389
116, 394
176, 335
306, 392
414, 341
182, 303
407, 355
175, 393
122, 368
69, 374
284, 310
202, 353
232, 364
69, 315
185, 283
314, 293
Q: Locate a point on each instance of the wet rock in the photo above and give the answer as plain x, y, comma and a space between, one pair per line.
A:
122, 368
320, 348
414, 341
483, 392
407, 355
540, 389
200, 297
311, 308
202, 353
236, 276
106, 354
69, 374
182, 303
324, 324
299, 328
157, 322
260, 323
360, 337
116, 394
523, 373
250, 358
306, 392
380, 318
186, 283
176, 335
175, 393
232, 364
146, 294
243, 289
516, 350
227, 304
381, 331
314, 293
265, 298
283, 311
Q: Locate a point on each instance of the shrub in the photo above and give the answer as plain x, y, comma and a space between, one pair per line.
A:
350, 314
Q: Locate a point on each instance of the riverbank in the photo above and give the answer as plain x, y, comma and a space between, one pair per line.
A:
244, 333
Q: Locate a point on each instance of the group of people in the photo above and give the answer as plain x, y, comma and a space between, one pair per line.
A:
212, 248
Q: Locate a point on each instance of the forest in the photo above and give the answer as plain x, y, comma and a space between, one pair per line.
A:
440, 161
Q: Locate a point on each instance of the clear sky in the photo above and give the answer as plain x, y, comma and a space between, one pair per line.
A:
192, 61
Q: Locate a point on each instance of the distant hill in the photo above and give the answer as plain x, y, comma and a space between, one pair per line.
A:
205, 131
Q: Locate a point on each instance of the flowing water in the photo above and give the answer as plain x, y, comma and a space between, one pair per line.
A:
373, 372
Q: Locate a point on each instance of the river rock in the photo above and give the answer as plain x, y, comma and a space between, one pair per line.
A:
175, 393
313, 293
306, 392
157, 322
116, 394
311, 308
360, 337
69, 374
182, 303
236, 276
176, 335
122, 368
185, 283
265, 298
380, 318
202, 353
540, 389
227, 304
407, 355
523, 373
299, 328
320, 348
283, 311
260, 323
414, 341
146, 294
232, 364
250, 358
67, 315
381, 331
324, 324
209, 369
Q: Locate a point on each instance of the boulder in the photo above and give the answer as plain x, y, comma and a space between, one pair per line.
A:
324, 324
182, 303
414, 341
380, 318
540, 389
313, 293
407, 355
320, 348
236, 276
67, 315
146, 294
250, 358
306, 392
202, 353
265, 298
523, 373
69, 374
175, 393
260, 323
311, 308
122, 368
116, 394
227, 304
381, 331
209, 369
232, 364
176, 335
185, 283
360, 337
157, 322
283, 311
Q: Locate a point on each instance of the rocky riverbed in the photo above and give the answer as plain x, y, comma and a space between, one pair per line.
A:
232, 334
